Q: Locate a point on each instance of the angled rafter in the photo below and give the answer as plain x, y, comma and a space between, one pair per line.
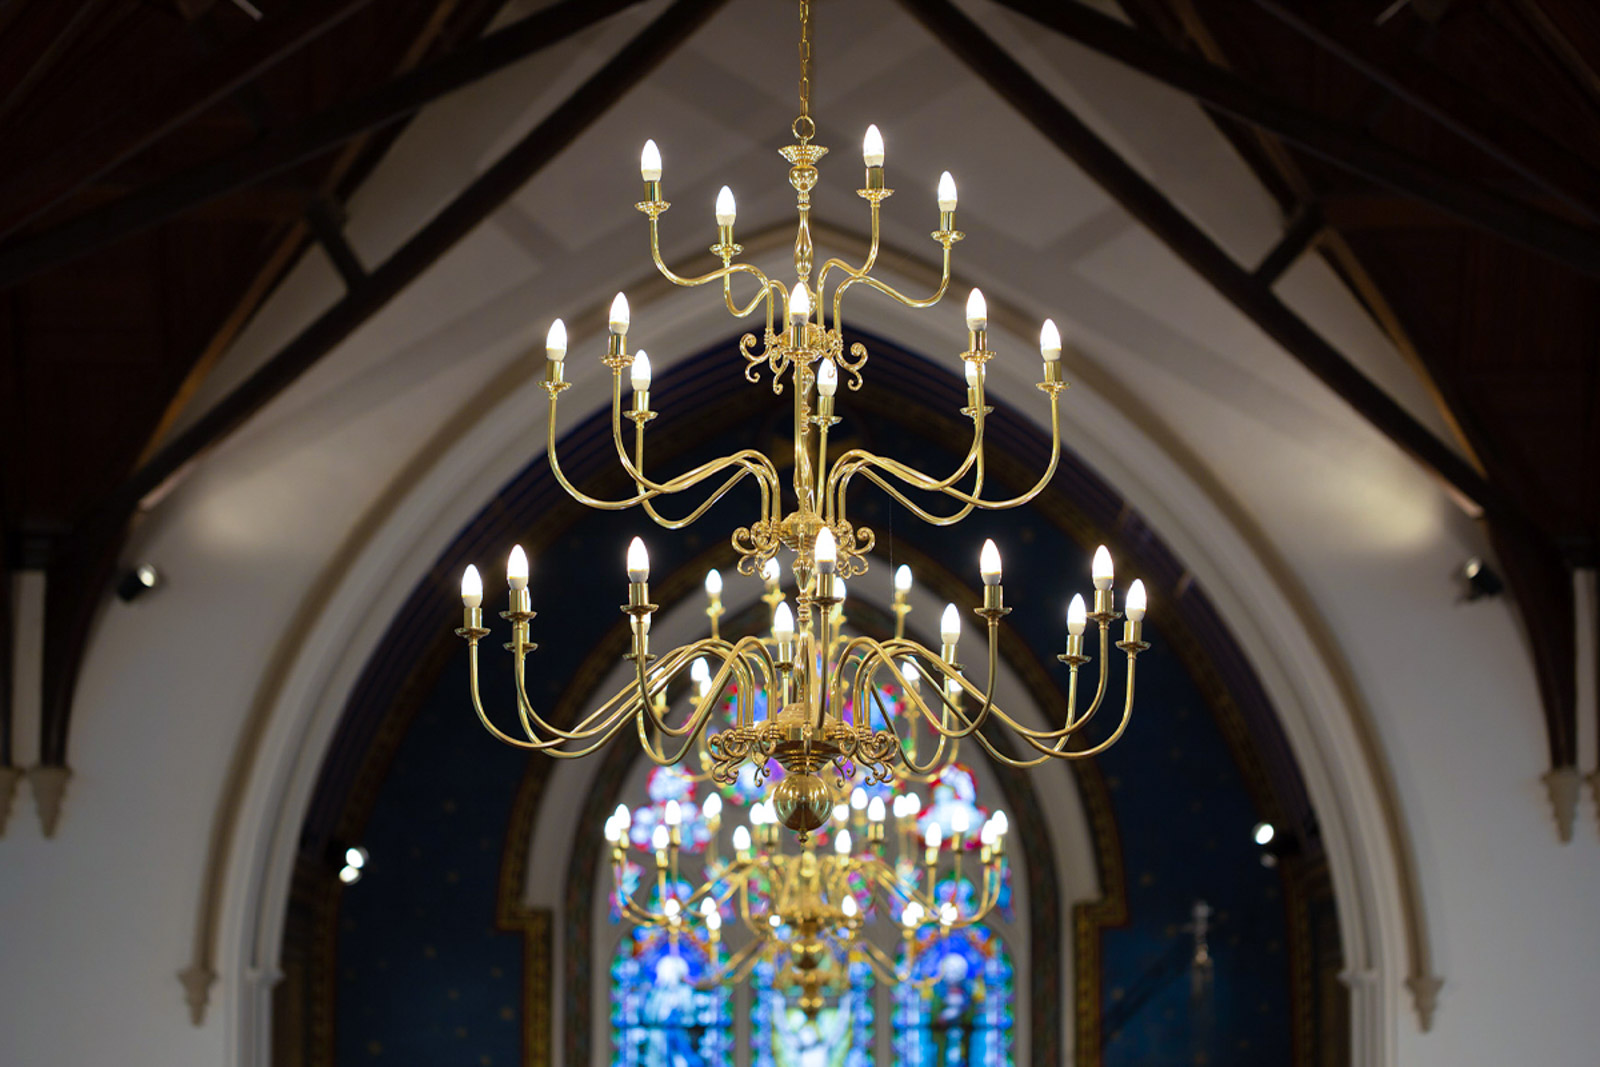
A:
1505, 137
1344, 147
1533, 562
282, 150
1141, 199
83, 579
152, 112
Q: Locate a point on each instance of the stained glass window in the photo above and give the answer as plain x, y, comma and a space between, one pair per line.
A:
658, 1017
956, 1009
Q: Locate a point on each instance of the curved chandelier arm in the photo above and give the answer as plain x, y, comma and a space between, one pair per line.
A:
602, 732
864, 278
749, 460
883, 656
727, 270
909, 748
763, 295
573, 491
846, 466
871, 260
902, 647
862, 462
735, 659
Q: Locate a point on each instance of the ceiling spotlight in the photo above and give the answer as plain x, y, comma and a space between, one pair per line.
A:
1263, 833
349, 875
1480, 579
138, 581
355, 857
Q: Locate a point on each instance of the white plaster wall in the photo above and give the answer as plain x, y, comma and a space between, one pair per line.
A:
288, 549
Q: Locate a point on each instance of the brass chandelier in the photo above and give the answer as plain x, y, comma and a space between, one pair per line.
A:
806, 912
807, 684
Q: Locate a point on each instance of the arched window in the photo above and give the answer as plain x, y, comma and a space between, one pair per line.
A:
658, 1016
956, 1007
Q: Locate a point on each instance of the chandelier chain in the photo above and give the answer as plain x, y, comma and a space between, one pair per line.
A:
804, 128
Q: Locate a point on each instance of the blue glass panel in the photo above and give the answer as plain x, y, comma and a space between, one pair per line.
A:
957, 1007
658, 1017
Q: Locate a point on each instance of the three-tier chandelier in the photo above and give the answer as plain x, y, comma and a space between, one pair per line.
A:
808, 681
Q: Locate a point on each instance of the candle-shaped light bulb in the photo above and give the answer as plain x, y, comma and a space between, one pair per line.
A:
770, 572
841, 843
1050, 341
671, 907
619, 314
741, 836
872, 147
986, 835
989, 563
659, 838
902, 579
517, 568
1101, 568
650, 162
713, 583
849, 906
727, 210
783, 623
471, 587
960, 820
827, 378
1135, 605
875, 810
947, 914
908, 672
555, 342
841, 813
700, 673
911, 914
674, 813
1001, 824
826, 552
713, 919
973, 372
1077, 616
977, 310
858, 798
613, 831
933, 837
638, 561
947, 192
623, 816
640, 374
913, 802
950, 625
708, 908
799, 303
712, 808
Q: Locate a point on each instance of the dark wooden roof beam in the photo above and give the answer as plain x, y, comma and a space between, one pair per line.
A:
149, 115
1348, 148
1533, 563
1503, 136
85, 565
284, 149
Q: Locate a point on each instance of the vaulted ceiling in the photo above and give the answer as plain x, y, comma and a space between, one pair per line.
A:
166, 163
